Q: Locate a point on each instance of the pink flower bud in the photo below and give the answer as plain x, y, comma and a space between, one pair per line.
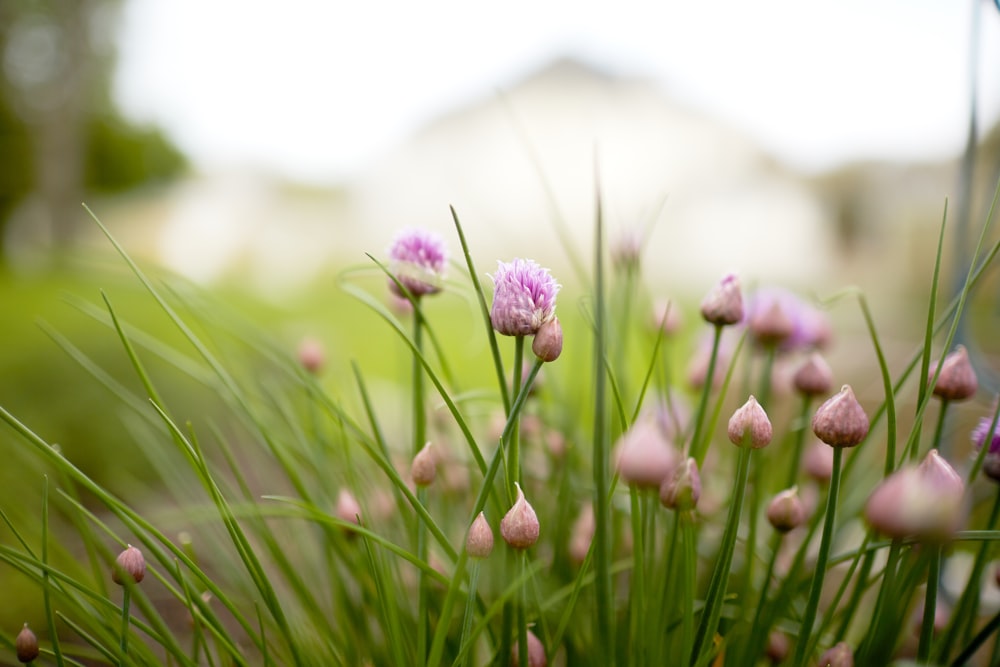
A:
130, 563
750, 422
311, 355
524, 298
645, 457
348, 508
681, 490
536, 652
519, 527
957, 381
777, 647
841, 421
771, 325
26, 645
814, 377
417, 258
724, 304
924, 501
785, 511
838, 655
818, 462
548, 342
479, 542
423, 470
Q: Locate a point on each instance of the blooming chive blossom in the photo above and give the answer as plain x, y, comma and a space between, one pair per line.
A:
524, 298
417, 259
803, 326
980, 436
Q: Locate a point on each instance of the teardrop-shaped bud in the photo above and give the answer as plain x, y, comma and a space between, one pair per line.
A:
814, 377
838, 655
750, 425
771, 326
26, 645
682, 489
348, 508
548, 342
645, 456
519, 527
536, 652
785, 512
957, 380
841, 421
724, 304
479, 542
423, 470
130, 563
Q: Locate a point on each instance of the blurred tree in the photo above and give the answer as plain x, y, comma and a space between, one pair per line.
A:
60, 136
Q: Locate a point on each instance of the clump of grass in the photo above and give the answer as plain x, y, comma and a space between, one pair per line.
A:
312, 523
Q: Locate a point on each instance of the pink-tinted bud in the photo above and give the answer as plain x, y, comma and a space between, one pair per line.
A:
519, 527
479, 542
312, 356
750, 425
814, 377
348, 508
724, 304
423, 470
841, 421
785, 512
548, 342
524, 298
924, 501
681, 490
627, 250
582, 534
645, 457
818, 462
26, 645
771, 325
957, 381
130, 563
667, 316
777, 647
838, 655
536, 652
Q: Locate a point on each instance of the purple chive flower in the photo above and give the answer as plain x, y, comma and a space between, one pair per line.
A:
417, 259
524, 297
980, 436
808, 327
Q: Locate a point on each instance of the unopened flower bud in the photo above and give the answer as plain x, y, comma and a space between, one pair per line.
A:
348, 508
814, 377
818, 462
536, 652
724, 304
26, 645
957, 380
777, 647
838, 655
130, 563
423, 470
841, 421
645, 456
519, 527
750, 423
785, 511
479, 542
770, 326
312, 356
548, 342
681, 490
924, 501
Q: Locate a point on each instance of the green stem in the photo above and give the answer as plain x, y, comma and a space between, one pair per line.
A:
423, 624
886, 591
755, 627
717, 587
694, 447
470, 612
930, 605
805, 629
638, 588
514, 450
126, 600
800, 439
522, 612
689, 557
419, 437
938, 428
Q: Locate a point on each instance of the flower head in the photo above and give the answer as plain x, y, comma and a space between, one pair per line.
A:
838, 655
524, 297
779, 317
423, 469
682, 489
548, 342
26, 645
536, 652
814, 377
785, 511
130, 563
957, 380
519, 527
479, 542
841, 421
981, 437
645, 457
924, 501
311, 354
417, 259
750, 422
724, 304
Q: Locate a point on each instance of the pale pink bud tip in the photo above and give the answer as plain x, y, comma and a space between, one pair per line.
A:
524, 298
814, 377
750, 424
536, 652
479, 542
838, 655
348, 508
841, 421
645, 457
724, 304
129, 563
519, 527
26, 645
957, 380
785, 512
423, 470
548, 342
682, 489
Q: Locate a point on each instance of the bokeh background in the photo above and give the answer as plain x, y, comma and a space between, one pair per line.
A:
260, 149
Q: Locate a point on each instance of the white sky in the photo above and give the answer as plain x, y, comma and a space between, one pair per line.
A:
316, 89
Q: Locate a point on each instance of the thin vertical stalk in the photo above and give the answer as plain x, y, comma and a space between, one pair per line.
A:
930, 605
46, 584
419, 437
514, 449
717, 587
470, 611
522, 611
126, 601
805, 628
637, 589
689, 558
694, 447
800, 439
